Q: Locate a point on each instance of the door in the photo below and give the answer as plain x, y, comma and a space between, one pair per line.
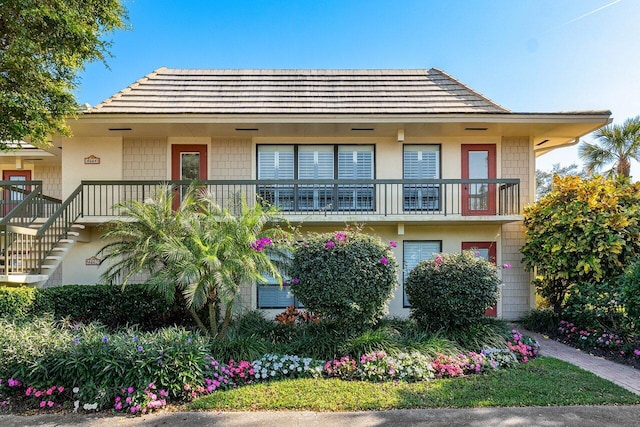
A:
11, 197
188, 163
478, 162
486, 250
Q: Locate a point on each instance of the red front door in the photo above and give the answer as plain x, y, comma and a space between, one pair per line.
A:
188, 163
486, 250
11, 197
478, 162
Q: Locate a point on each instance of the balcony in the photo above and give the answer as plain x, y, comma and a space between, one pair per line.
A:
372, 201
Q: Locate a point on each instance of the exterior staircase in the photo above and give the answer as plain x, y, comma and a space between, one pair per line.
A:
36, 233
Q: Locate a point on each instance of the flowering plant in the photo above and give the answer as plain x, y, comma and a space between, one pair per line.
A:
522, 346
346, 276
275, 367
344, 368
140, 401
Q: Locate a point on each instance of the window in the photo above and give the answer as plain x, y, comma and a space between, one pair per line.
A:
414, 252
275, 162
318, 163
355, 162
421, 162
272, 295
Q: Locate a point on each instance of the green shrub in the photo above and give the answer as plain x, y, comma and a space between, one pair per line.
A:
630, 293
16, 301
345, 276
110, 305
451, 290
595, 305
543, 320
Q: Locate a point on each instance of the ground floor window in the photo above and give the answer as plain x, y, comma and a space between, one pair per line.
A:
272, 295
413, 252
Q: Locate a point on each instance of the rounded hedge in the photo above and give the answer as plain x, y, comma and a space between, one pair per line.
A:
347, 277
451, 290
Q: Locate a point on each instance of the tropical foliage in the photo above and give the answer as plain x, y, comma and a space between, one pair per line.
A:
584, 231
451, 290
544, 179
345, 276
44, 44
201, 253
616, 145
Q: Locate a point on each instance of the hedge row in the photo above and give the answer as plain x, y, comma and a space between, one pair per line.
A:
110, 305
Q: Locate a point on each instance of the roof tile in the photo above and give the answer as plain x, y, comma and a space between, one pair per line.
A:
183, 91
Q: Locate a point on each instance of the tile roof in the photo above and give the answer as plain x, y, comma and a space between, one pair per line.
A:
184, 91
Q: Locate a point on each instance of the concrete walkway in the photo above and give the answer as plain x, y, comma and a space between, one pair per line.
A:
624, 376
565, 416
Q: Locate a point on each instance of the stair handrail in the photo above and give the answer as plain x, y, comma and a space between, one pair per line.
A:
65, 216
23, 205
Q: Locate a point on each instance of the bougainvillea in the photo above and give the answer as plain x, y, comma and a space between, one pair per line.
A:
347, 277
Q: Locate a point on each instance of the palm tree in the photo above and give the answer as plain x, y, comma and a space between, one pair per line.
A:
224, 249
617, 145
201, 252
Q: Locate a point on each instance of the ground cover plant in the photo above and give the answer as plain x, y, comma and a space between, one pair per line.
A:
69, 366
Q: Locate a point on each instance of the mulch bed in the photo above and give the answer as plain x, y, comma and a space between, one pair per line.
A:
612, 355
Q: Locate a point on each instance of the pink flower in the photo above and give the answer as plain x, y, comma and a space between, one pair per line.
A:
636, 352
329, 245
438, 260
50, 404
506, 266
341, 237
60, 389
393, 244
118, 406
38, 393
128, 400
28, 391
117, 399
130, 390
384, 261
43, 403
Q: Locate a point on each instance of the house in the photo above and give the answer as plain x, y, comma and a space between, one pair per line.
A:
415, 155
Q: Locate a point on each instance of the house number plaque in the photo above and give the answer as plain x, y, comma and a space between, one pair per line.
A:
92, 160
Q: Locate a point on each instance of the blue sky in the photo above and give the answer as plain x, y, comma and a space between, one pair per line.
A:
527, 55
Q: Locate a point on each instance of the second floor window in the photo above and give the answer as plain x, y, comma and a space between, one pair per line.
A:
320, 163
421, 162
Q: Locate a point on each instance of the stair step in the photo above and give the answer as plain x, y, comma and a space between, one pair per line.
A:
59, 249
53, 258
48, 266
66, 241
78, 226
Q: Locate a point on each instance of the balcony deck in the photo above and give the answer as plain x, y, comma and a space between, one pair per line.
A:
334, 201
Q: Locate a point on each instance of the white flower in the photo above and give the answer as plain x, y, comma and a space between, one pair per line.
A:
76, 404
76, 389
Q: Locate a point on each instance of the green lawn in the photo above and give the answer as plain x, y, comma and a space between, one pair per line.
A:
542, 382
